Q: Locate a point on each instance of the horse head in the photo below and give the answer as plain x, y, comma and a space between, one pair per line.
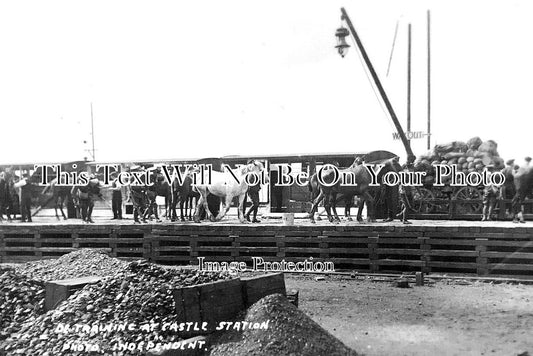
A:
392, 165
357, 162
253, 166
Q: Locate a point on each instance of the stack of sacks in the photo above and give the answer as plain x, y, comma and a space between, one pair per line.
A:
472, 156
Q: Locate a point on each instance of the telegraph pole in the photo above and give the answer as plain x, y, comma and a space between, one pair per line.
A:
92, 131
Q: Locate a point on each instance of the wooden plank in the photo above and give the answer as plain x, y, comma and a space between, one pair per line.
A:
510, 266
472, 265
172, 249
390, 262
39, 249
398, 240
302, 250
349, 250
255, 288
221, 301
257, 249
452, 242
453, 253
59, 290
171, 258
397, 251
518, 244
495, 254
353, 261
397, 235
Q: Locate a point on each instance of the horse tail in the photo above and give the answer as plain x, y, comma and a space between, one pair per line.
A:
311, 185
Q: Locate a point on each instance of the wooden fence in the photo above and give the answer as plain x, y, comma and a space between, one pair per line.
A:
480, 250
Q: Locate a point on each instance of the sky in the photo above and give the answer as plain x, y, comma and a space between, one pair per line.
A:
177, 79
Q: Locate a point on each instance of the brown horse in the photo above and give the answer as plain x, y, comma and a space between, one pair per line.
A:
358, 184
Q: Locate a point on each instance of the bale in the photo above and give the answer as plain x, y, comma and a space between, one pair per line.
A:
455, 146
474, 143
490, 147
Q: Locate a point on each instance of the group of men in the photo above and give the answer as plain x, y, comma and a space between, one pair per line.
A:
9, 197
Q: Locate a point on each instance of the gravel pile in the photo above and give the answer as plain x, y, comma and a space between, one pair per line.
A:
81, 263
20, 299
290, 332
133, 295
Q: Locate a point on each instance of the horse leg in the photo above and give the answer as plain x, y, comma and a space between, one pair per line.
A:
197, 210
202, 202
166, 207
192, 202
56, 205
61, 208
327, 206
369, 207
333, 197
225, 206
314, 207
240, 208
183, 202
173, 203
347, 207
360, 210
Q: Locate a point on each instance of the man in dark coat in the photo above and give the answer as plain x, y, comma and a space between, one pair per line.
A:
253, 193
87, 195
26, 188
116, 200
4, 191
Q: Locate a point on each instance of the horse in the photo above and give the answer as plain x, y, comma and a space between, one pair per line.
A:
60, 195
314, 189
185, 194
360, 186
523, 182
226, 185
163, 189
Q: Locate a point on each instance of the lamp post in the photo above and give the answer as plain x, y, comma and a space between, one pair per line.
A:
342, 48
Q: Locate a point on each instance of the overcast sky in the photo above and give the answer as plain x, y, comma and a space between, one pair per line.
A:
177, 79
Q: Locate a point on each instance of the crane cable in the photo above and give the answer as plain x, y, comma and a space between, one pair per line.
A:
373, 85
392, 49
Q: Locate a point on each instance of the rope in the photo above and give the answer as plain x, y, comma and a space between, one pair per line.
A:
392, 49
372, 84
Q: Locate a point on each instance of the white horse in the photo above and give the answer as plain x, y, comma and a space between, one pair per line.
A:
227, 185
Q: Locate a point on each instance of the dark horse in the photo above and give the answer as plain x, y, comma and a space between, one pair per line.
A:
163, 189
314, 189
61, 194
185, 194
357, 179
523, 181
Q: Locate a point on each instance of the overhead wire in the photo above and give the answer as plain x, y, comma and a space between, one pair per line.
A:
373, 86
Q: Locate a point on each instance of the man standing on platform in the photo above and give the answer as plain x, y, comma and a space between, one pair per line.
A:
116, 200
26, 187
253, 193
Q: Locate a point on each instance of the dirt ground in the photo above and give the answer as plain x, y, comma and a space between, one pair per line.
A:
441, 318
